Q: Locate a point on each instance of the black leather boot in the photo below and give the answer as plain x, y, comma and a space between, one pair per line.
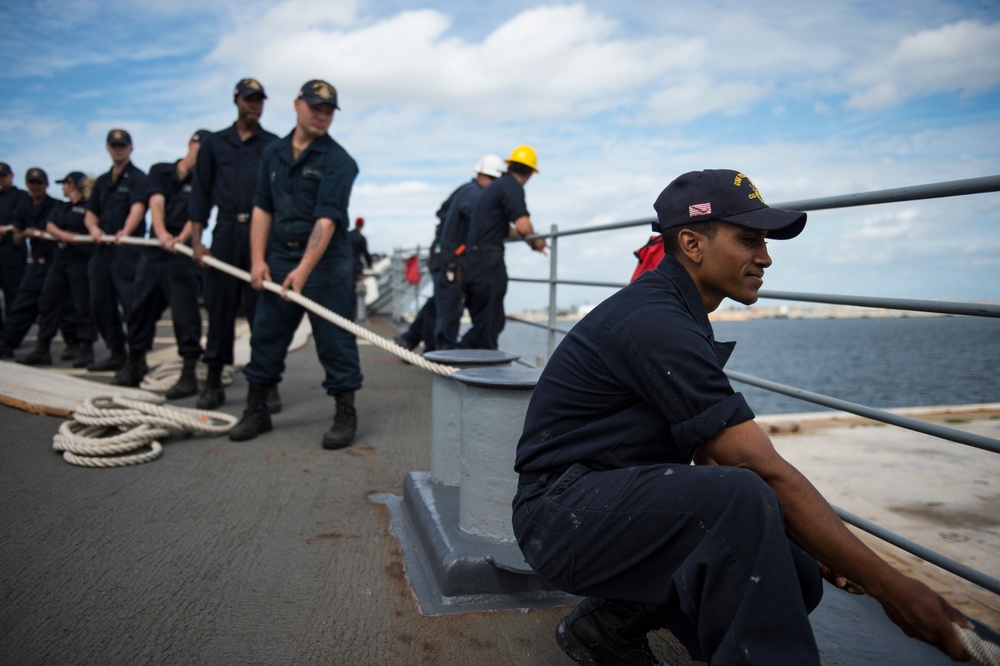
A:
39, 355
116, 361
274, 400
134, 370
85, 356
5, 350
212, 395
187, 383
256, 419
72, 347
609, 632
345, 423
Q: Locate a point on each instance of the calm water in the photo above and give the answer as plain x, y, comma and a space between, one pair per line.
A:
903, 362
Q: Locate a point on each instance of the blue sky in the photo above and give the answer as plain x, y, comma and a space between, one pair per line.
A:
808, 99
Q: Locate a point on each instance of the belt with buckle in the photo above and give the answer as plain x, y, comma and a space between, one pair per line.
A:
40, 261
293, 245
242, 218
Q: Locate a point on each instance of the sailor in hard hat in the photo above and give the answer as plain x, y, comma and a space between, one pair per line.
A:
117, 207
226, 177
500, 213
453, 234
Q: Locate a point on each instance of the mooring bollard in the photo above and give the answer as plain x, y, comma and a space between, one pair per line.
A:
494, 402
446, 409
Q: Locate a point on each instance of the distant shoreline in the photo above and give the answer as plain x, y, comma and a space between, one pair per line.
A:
748, 313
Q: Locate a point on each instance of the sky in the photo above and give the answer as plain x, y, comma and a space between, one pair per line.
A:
809, 99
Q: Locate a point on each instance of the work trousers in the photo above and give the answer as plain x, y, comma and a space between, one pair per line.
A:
163, 279
422, 328
484, 286
112, 279
277, 320
67, 281
448, 308
13, 260
224, 294
706, 544
25, 311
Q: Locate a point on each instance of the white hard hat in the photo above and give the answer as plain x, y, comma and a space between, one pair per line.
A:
491, 165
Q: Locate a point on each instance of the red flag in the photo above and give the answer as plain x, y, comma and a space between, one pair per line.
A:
413, 270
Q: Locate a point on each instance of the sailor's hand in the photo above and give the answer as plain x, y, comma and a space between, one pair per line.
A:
538, 245
921, 613
259, 273
118, 236
199, 252
167, 242
97, 235
839, 581
295, 281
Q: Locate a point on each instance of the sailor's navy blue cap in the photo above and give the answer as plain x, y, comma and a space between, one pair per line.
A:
318, 92
35, 174
200, 135
5, 169
723, 194
119, 136
73, 178
249, 87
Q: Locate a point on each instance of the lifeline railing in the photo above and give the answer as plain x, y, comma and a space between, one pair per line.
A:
915, 193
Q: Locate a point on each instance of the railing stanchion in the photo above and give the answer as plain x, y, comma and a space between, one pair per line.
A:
553, 277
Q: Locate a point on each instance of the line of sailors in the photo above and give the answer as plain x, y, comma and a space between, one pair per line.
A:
119, 291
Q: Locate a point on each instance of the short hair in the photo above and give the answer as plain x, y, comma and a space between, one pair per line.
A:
707, 228
519, 169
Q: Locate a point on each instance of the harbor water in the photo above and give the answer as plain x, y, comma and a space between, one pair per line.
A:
880, 362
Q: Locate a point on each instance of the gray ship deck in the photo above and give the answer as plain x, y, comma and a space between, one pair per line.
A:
271, 551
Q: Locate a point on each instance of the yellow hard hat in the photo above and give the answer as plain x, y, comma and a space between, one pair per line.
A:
524, 155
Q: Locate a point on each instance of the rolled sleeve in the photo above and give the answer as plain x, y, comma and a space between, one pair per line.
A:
702, 427
334, 196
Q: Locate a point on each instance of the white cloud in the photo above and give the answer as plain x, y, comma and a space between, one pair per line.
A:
961, 56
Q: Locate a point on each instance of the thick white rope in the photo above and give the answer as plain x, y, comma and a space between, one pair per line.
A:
979, 648
162, 378
108, 426
312, 306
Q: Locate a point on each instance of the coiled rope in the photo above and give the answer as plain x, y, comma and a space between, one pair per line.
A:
161, 378
108, 426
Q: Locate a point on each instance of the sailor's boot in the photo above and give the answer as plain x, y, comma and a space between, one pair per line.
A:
5, 350
187, 383
39, 355
116, 361
256, 419
274, 400
134, 370
212, 395
345, 423
72, 347
85, 356
609, 632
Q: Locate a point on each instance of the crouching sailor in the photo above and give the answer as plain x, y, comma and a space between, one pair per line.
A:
299, 238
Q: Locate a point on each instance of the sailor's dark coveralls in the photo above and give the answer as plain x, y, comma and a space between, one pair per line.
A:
23, 314
67, 277
609, 506
164, 278
112, 267
297, 192
447, 277
225, 176
484, 271
13, 258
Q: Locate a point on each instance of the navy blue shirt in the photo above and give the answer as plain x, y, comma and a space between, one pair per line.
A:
69, 216
455, 225
225, 174
176, 192
501, 203
298, 191
637, 381
35, 216
112, 199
